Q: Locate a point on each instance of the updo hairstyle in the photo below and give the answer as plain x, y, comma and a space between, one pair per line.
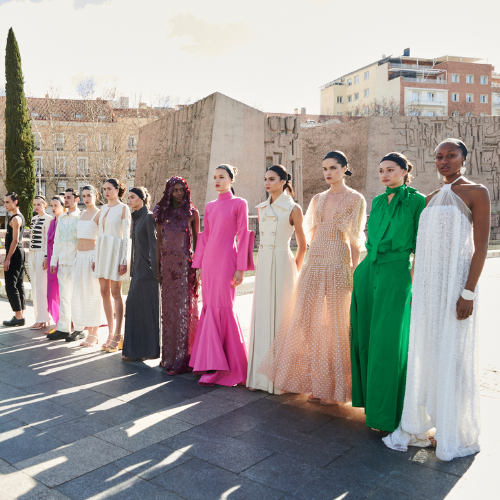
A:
284, 176
118, 185
402, 161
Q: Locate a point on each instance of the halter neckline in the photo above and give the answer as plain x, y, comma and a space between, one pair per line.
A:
451, 183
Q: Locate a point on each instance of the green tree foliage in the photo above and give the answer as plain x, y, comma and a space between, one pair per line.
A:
19, 141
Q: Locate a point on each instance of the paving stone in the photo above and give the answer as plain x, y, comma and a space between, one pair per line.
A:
23, 377
187, 388
80, 375
109, 410
79, 428
260, 408
60, 391
467, 489
143, 432
153, 461
45, 414
111, 482
16, 485
223, 451
421, 482
71, 460
304, 447
5, 366
202, 409
232, 424
457, 467
18, 441
153, 401
347, 432
239, 394
199, 480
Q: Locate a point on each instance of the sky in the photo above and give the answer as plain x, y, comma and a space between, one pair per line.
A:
271, 54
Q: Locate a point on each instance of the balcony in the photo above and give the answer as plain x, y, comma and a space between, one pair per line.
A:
426, 102
495, 84
424, 80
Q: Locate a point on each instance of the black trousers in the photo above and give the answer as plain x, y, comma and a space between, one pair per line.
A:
14, 282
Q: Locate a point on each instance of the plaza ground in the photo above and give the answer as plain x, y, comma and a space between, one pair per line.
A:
77, 423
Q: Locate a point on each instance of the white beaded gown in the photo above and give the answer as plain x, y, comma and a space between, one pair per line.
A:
442, 385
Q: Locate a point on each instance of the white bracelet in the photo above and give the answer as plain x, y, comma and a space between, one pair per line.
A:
468, 295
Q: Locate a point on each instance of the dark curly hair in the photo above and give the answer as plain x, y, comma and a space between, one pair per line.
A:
165, 209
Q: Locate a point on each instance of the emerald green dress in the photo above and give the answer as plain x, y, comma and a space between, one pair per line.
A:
380, 308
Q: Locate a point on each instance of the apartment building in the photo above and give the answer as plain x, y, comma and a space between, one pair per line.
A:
495, 94
406, 85
80, 142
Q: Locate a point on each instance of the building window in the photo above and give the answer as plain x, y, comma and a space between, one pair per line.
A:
356, 96
349, 82
454, 113
81, 142
38, 141
59, 141
469, 97
415, 96
367, 110
78, 115
430, 113
356, 80
415, 113
367, 92
60, 166
105, 164
82, 166
431, 96
340, 99
468, 114
469, 79
484, 80
131, 167
103, 142
367, 75
455, 78
454, 97
484, 99
340, 113
38, 166
132, 142
61, 186
349, 98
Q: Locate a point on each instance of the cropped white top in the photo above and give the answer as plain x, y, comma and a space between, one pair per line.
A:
87, 229
113, 243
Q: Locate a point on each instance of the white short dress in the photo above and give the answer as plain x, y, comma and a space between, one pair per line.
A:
113, 243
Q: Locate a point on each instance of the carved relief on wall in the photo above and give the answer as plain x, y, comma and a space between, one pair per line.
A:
282, 146
417, 137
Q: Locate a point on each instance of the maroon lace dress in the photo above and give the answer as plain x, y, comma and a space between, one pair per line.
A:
178, 294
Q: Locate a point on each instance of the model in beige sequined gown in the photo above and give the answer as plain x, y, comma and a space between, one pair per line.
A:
311, 353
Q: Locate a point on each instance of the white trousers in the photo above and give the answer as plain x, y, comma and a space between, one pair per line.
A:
38, 278
65, 278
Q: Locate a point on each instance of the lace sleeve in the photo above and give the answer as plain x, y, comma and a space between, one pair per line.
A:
310, 220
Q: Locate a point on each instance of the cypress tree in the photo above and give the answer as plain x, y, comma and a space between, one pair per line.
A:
19, 141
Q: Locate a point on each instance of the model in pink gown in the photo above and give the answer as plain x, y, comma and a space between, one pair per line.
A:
52, 282
219, 347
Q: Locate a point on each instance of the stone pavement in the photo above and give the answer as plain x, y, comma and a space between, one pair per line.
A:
77, 423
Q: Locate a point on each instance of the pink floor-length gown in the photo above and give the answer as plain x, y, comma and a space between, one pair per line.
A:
52, 282
219, 344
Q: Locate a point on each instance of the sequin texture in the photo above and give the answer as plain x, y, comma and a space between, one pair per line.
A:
311, 353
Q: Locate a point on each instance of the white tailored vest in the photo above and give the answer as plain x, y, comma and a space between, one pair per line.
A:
274, 281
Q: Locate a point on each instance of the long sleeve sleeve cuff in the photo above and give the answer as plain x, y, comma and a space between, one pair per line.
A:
200, 251
244, 259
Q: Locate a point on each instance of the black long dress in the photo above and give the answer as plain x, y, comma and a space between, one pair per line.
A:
14, 276
142, 316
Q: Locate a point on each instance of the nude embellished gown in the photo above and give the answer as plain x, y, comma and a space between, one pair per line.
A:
311, 353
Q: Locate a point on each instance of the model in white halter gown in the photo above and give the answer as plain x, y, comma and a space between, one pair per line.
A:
442, 385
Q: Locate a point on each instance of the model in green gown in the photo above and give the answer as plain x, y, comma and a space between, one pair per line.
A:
380, 307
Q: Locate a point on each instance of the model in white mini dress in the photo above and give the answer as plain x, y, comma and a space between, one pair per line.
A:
112, 259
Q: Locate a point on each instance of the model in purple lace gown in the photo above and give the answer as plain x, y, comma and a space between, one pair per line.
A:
178, 224
57, 207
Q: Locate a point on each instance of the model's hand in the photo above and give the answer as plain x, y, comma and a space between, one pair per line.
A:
52, 269
122, 269
93, 266
464, 308
237, 278
45, 264
6, 264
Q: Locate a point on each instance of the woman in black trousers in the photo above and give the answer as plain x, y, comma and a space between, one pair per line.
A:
14, 260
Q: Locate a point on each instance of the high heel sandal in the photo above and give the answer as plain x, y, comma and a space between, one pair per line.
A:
116, 345
107, 344
86, 342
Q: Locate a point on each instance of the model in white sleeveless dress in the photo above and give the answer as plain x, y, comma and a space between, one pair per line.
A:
442, 386
274, 281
